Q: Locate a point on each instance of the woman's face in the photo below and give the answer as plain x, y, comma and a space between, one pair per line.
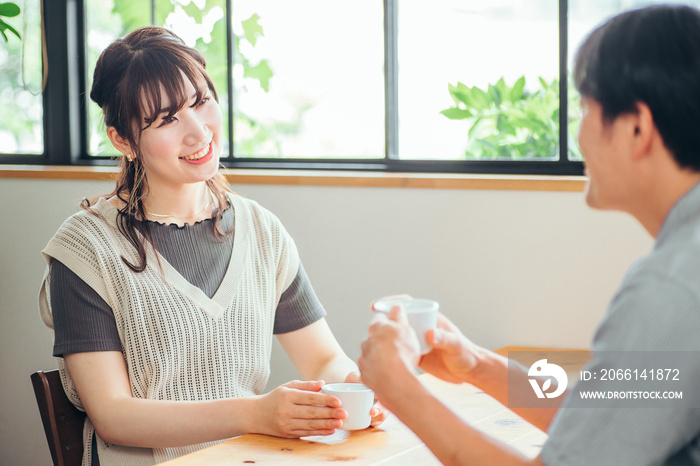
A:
186, 147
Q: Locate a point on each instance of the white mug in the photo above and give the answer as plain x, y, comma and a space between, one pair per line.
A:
355, 398
422, 315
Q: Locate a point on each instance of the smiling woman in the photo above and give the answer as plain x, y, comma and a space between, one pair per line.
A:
159, 106
165, 294
179, 146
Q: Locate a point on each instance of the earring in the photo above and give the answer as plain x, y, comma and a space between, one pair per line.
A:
128, 157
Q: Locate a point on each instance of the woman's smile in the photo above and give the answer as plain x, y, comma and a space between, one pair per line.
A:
202, 156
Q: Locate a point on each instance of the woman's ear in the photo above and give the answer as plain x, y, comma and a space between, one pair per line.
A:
119, 143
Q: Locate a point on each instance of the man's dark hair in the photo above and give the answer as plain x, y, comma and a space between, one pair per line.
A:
649, 55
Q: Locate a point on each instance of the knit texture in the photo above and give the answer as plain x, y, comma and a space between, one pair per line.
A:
178, 344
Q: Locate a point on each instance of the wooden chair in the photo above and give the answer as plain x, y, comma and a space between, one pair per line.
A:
63, 422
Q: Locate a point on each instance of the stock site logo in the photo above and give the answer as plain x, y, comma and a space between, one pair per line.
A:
542, 369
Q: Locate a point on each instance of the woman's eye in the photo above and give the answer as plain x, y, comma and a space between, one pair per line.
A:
167, 120
204, 100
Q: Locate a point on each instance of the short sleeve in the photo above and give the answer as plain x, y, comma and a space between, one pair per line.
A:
82, 320
299, 306
649, 314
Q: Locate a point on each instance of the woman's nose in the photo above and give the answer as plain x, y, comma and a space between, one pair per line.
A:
197, 128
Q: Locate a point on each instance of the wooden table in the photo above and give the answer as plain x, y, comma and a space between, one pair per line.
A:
392, 442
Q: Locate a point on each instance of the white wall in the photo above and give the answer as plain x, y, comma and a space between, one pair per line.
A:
510, 268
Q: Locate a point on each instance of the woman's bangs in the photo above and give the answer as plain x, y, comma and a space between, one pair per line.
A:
164, 88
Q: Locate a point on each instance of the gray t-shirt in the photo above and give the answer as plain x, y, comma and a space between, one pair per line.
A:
84, 322
657, 308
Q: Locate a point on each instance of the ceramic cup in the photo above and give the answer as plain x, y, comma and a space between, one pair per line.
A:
422, 315
355, 398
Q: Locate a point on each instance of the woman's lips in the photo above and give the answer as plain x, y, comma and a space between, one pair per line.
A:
202, 160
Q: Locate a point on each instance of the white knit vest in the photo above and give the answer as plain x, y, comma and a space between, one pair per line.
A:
177, 343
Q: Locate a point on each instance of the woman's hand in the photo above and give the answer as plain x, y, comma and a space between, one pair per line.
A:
298, 409
378, 413
453, 357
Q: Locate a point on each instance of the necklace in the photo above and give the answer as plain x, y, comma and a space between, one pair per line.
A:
183, 218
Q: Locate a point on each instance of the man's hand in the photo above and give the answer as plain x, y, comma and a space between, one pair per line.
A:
453, 357
391, 349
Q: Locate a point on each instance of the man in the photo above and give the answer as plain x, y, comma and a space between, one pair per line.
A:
639, 77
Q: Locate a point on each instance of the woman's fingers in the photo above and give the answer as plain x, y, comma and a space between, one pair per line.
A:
298, 425
378, 414
319, 412
308, 393
316, 399
307, 385
310, 433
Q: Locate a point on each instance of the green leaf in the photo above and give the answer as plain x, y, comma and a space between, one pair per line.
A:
261, 72
487, 144
133, 15
4, 26
495, 94
516, 92
506, 128
461, 87
480, 99
460, 93
475, 128
503, 90
509, 122
456, 113
525, 123
9, 9
193, 11
252, 29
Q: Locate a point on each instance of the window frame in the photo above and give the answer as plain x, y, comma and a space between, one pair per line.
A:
66, 98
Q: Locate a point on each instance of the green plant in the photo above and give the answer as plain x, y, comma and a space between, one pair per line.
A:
261, 72
509, 122
9, 10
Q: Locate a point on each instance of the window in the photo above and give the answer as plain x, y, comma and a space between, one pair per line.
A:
505, 103
441, 86
21, 130
311, 84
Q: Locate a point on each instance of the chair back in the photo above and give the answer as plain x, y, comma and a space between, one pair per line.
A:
63, 422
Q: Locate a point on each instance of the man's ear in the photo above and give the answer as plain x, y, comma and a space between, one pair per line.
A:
644, 131
119, 143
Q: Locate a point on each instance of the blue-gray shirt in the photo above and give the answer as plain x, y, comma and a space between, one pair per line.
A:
657, 308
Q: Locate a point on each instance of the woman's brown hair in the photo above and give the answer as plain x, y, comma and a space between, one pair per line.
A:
127, 84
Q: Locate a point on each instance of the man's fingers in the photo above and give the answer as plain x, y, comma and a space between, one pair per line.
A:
438, 338
397, 314
378, 318
396, 297
445, 323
